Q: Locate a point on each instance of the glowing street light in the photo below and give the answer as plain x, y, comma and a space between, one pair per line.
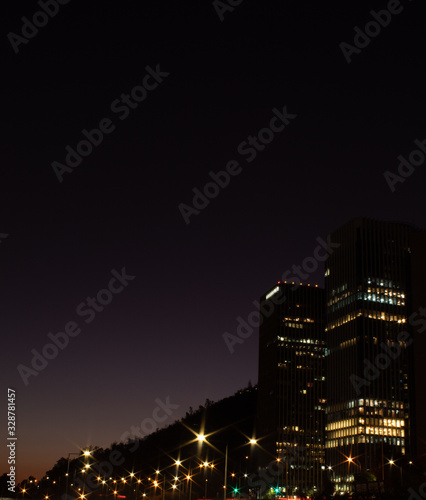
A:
68, 470
202, 438
392, 462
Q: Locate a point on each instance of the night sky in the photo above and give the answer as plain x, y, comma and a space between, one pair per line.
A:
218, 83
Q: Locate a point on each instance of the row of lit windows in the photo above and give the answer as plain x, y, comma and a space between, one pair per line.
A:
382, 295
337, 443
382, 282
366, 412
342, 424
333, 443
341, 321
368, 314
339, 302
382, 412
339, 290
291, 348
373, 297
385, 431
382, 422
376, 403
350, 431
377, 431
293, 325
336, 299
302, 353
300, 341
384, 316
386, 291
347, 343
305, 320
381, 403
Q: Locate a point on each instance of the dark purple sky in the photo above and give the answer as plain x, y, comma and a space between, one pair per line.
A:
162, 336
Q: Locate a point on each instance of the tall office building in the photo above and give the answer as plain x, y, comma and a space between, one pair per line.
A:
291, 399
370, 329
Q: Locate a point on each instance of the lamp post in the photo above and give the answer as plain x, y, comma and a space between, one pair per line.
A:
188, 477
201, 438
68, 472
392, 462
226, 472
177, 463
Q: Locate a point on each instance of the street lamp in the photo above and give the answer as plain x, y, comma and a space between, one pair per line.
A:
202, 438
68, 471
392, 462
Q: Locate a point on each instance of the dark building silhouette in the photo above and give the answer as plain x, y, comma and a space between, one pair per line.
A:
375, 281
291, 395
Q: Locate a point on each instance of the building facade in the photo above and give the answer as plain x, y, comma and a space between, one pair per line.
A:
370, 350
291, 398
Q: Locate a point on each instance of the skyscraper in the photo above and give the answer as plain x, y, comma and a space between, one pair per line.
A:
291, 399
370, 372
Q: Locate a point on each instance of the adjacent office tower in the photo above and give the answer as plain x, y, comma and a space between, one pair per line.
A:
291, 400
370, 382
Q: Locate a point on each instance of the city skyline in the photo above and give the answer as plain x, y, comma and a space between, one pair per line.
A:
279, 295
163, 166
